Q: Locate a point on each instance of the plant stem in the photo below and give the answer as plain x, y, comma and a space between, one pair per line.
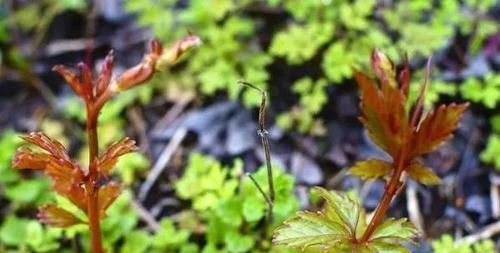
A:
92, 186
267, 150
391, 189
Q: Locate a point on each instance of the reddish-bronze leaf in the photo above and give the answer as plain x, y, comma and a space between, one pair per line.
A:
54, 216
48, 144
26, 158
73, 192
384, 115
66, 174
133, 76
156, 47
108, 159
422, 174
70, 77
86, 81
107, 195
105, 74
404, 76
435, 128
371, 169
174, 52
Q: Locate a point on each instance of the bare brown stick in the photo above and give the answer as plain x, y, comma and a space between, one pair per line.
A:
485, 233
145, 215
162, 162
267, 150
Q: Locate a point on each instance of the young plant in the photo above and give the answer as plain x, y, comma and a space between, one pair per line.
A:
404, 135
90, 189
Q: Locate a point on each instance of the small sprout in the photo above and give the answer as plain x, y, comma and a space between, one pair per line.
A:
342, 226
84, 188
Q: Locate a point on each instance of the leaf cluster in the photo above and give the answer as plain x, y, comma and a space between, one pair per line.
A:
447, 244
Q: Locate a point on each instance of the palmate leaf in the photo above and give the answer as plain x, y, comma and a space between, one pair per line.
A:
371, 169
338, 228
435, 128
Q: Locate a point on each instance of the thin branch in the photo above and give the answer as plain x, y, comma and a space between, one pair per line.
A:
485, 233
265, 144
162, 162
145, 215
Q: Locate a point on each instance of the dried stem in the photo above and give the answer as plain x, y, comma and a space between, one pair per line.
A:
267, 150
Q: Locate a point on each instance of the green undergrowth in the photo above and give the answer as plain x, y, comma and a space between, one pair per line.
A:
334, 35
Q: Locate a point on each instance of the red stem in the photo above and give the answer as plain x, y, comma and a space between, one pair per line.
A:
92, 184
391, 189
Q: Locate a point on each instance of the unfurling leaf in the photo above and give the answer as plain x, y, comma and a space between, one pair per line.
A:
384, 68
109, 158
384, 114
174, 52
371, 169
421, 174
70, 77
105, 74
54, 216
436, 127
107, 195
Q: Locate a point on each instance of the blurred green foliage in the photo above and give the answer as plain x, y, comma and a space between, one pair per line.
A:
446, 244
243, 38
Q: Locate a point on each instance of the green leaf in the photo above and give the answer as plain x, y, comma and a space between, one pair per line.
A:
490, 154
339, 227
29, 191
371, 169
300, 43
136, 241
422, 174
392, 230
336, 223
13, 231
338, 61
308, 229
237, 243
254, 208
168, 237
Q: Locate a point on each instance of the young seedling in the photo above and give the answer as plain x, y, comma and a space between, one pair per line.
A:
89, 189
342, 225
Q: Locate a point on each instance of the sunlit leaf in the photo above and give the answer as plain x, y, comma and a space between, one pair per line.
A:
338, 222
371, 169
422, 174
